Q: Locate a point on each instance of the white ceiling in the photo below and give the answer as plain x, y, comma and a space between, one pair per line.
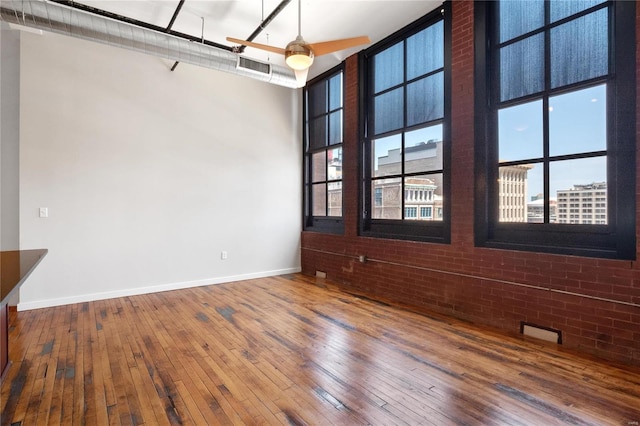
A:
322, 20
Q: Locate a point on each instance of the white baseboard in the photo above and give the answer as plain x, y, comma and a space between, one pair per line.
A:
48, 303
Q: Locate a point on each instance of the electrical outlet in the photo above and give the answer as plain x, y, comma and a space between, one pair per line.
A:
224, 255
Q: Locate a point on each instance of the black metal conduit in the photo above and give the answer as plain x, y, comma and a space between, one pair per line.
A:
175, 15
266, 22
171, 22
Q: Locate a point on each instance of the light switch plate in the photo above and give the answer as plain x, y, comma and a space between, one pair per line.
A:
44, 212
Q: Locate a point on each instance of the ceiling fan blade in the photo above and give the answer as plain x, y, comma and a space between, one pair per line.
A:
324, 47
257, 45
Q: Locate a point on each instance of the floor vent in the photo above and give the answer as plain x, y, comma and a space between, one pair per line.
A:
253, 66
320, 274
539, 332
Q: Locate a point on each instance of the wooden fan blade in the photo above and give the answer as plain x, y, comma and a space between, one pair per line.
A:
324, 47
257, 45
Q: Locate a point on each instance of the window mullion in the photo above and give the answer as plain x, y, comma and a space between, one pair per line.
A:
545, 115
546, 163
403, 187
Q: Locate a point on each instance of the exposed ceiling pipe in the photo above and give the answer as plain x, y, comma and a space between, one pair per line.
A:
60, 19
100, 12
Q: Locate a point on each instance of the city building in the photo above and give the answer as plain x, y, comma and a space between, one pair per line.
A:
513, 193
583, 204
422, 194
535, 209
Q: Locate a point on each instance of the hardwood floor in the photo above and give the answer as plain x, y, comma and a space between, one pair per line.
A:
288, 350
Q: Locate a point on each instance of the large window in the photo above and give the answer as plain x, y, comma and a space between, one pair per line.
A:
406, 148
558, 139
323, 153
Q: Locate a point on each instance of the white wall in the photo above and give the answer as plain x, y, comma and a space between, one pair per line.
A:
149, 174
9, 137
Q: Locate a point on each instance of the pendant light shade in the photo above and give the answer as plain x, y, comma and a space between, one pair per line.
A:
298, 55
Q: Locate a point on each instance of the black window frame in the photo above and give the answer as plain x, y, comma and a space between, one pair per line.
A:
617, 238
435, 231
324, 224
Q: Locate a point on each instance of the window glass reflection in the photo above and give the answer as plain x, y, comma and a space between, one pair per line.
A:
517, 18
580, 49
425, 51
389, 67
522, 68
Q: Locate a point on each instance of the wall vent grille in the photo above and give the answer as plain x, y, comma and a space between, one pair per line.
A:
253, 66
539, 332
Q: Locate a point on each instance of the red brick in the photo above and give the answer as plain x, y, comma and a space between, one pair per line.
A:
626, 326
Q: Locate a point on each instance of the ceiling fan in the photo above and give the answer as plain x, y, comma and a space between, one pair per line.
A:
299, 54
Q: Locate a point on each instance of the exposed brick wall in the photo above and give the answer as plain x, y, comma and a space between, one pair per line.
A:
493, 287
350, 149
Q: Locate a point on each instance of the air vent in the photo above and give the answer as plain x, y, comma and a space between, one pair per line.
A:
253, 66
543, 333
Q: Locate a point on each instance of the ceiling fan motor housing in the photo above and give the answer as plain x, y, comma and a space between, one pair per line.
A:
298, 55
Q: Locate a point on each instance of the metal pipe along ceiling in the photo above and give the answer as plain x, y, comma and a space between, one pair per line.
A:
76, 23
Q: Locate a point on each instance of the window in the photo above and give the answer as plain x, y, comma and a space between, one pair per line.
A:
406, 149
378, 195
558, 126
411, 212
323, 153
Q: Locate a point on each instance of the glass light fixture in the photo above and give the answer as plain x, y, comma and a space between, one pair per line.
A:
298, 55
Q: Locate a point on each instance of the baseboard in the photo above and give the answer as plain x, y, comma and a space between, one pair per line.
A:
48, 303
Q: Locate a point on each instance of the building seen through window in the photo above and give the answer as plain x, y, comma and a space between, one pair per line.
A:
584, 204
422, 195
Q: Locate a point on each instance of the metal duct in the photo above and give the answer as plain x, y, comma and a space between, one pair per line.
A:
76, 23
